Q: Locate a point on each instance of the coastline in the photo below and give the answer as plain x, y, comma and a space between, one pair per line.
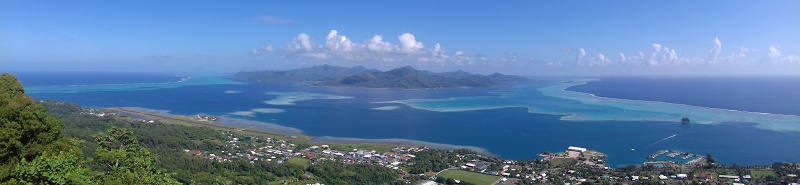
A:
398, 141
263, 128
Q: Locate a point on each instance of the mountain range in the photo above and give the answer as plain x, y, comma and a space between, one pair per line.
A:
399, 78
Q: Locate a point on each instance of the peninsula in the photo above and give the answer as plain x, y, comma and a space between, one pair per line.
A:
399, 78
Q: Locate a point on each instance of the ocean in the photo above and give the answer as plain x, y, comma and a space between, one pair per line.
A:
747, 121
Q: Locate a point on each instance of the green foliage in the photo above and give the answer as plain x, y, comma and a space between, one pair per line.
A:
125, 161
337, 173
710, 159
435, 160
62, 168
26, 131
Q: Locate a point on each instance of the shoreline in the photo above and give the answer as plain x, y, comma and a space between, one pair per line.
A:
273, 129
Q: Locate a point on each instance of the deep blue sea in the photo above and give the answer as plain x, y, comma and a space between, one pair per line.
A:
515, 121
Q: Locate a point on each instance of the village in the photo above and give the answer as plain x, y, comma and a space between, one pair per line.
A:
575, 165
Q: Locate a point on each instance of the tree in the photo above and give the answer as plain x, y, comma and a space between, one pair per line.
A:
62, 168
710, 158
450, 181
126, 162
440, 180
26, 130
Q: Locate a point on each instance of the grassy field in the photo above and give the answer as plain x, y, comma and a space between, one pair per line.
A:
298, 161
477, 178
562, 162
760, 174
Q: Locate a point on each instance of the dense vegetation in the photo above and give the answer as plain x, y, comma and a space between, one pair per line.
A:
33, 149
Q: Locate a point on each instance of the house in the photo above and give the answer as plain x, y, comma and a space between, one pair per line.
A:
734, 177
576, 149
705, 176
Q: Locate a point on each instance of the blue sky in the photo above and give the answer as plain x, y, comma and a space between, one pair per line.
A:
519, 37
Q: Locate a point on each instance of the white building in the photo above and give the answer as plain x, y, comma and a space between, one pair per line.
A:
577, 149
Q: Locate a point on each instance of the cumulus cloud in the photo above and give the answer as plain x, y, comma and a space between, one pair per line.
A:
409, 44
338, 47
376, 44
338, 43
302, 42
621, 57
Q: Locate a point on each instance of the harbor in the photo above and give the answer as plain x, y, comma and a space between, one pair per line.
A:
676, 157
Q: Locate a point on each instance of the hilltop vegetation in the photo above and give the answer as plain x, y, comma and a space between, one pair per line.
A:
35, 151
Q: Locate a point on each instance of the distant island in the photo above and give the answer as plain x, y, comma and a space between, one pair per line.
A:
399, 78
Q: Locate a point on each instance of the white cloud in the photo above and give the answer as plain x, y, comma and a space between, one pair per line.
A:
621, 57
774, 53
409, 44
654, 55
301, 42
716, 47
339, 47
581, 54
261, 50
602, 60
657, 47
671, 55
338, 43
377, 44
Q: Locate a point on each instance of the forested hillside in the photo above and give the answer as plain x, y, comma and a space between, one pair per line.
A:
34, 150
49, 142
